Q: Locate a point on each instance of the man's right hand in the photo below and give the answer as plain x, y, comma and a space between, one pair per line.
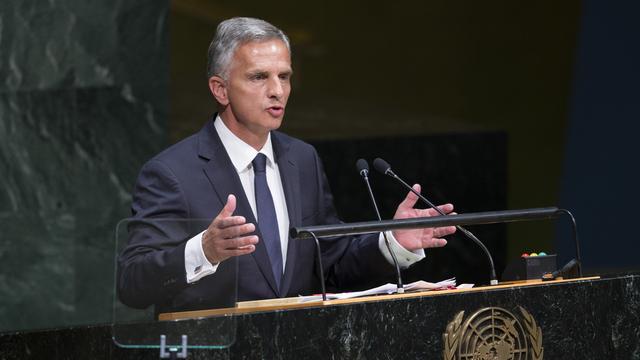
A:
227, 235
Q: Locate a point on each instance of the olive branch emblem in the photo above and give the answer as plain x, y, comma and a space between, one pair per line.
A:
452, 336
535, 334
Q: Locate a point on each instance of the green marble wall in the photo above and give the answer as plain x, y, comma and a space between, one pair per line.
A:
83, 94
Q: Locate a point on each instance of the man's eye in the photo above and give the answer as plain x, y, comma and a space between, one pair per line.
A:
285, 76
258, 77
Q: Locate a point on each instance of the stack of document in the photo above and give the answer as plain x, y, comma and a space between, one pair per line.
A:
392, 289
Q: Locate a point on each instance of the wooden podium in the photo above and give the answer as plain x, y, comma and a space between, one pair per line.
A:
588, 318
248, 307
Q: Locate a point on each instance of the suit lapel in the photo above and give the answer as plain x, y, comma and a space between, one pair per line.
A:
225, 180
291, 186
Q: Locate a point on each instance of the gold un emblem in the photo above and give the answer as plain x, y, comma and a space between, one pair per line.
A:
493, 333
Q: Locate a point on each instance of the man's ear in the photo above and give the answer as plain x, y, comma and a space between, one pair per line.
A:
219, 90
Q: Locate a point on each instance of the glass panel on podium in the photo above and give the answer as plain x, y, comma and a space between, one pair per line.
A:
152, 297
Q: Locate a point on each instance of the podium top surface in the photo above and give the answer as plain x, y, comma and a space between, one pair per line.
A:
247, 307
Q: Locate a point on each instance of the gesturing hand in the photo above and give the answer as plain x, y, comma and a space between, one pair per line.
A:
421, 238
227, 236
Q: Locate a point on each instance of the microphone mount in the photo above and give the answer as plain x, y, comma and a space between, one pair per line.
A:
363, 169
478, 218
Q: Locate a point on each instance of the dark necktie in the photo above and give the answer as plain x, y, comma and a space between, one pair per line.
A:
267, 220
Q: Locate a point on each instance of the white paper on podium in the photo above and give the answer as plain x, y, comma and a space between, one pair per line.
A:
419, 285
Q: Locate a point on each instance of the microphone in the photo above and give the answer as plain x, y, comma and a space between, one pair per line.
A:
384, 168
363, 170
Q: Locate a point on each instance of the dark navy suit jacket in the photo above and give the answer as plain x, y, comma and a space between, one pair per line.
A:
191, 180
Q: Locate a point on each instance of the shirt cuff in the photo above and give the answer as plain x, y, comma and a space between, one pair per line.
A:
405, 257
196, 264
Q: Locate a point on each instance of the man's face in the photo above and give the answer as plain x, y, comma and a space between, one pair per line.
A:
258, 86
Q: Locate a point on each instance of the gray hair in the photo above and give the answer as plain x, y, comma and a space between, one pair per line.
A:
234, 32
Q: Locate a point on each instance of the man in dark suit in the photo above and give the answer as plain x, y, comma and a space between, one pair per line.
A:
255, 183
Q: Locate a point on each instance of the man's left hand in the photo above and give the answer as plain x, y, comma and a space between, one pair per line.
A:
421, 238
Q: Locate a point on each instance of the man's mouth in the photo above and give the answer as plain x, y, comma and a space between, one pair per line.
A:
276, 111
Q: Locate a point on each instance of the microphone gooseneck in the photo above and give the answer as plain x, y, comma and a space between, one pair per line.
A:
574, 231
384, 168
363, 170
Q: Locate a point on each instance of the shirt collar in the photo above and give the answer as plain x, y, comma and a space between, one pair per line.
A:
241, 153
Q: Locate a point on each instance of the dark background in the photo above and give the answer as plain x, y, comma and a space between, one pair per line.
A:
489, 105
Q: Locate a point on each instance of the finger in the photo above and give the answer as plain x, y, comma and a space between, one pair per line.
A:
227, 211
446, 209
437, 242
237, 231
240, 242
231, 221
238, 252
229, 207
411, 199
444, 231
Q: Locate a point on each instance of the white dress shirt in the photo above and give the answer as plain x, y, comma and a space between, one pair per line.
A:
242, 154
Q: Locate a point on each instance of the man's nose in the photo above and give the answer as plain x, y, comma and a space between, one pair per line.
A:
275, 88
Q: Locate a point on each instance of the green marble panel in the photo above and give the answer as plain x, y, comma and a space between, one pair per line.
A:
82, 106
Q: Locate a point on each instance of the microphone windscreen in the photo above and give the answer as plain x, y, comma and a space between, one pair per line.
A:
361, 165
381, 166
